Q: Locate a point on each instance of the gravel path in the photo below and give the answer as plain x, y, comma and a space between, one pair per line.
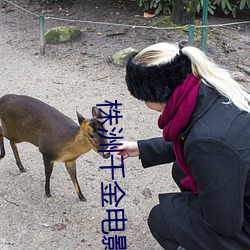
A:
77, 76
70, 80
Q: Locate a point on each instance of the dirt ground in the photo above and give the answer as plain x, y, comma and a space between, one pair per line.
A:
77, 76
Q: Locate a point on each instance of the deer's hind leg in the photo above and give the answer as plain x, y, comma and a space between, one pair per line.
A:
1, 144
15, 151
71, 168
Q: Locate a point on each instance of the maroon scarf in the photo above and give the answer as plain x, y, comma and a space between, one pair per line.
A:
174, 119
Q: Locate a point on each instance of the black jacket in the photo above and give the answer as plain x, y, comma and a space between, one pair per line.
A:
216, 145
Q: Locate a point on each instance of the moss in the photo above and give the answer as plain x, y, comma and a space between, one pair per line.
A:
163, 22
63, 34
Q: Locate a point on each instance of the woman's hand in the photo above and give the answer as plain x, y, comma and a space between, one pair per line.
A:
130, 149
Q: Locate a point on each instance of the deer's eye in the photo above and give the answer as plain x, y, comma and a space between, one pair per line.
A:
91, 136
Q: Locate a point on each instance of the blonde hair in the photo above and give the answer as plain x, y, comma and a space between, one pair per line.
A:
202, 67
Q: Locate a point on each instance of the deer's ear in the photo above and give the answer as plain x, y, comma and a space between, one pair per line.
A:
80, 118
96, 112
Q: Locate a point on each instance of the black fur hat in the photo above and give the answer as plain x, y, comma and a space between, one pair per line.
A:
156, 83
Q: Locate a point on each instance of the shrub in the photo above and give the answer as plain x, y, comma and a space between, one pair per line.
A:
165, 6
157, 6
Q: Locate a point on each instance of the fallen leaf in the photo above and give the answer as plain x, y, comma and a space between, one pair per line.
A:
147, 15
58, 227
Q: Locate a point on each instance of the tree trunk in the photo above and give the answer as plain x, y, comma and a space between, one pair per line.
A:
183, 11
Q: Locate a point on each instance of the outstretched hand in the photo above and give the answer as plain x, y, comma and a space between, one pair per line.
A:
130, 149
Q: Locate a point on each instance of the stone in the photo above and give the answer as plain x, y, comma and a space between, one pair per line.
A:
239, 76
63, 34
121, 58
244, 68
147, 193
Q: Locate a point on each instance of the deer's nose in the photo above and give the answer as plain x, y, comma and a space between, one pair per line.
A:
106, 155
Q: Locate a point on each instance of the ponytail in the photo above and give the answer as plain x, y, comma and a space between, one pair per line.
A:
218, 78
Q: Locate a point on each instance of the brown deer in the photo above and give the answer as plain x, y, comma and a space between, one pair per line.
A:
59, 138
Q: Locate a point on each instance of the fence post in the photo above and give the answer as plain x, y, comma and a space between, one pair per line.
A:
204, 24
191, 35
42, 31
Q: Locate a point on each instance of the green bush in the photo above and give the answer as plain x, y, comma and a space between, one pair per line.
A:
156, 6
232, 6
227, 6
211, 7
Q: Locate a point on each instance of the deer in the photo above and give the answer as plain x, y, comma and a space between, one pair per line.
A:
58, 138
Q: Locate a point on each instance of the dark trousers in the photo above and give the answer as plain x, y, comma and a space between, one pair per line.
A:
156, 223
